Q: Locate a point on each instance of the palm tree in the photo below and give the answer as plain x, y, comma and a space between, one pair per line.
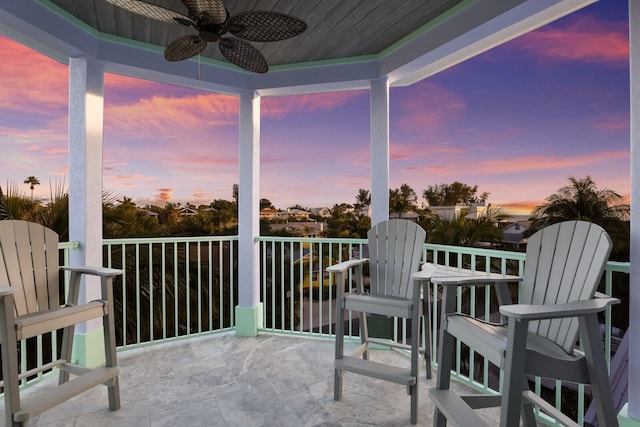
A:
363, 198
4, 213
402, 200
462, 231
14, 205
32, 181
581, 200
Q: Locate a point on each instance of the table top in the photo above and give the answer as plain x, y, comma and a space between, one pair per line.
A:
443, 275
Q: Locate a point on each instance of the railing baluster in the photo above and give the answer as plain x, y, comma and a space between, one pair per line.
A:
137, 295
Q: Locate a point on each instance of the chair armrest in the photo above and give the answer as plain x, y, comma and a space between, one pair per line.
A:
556, 311
6, 290
343, 266
426, 271
96, 271
472, 280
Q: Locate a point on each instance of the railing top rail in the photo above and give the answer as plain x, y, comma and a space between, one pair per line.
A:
468, 250
134, 240
619, 266
344, 240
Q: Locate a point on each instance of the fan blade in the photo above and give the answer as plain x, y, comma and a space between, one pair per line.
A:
150, 10
213, 11
265, 26
184, 48
243, 55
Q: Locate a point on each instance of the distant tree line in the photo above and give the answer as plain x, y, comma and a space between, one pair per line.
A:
580, 199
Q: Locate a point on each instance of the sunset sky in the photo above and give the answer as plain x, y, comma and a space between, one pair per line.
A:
516, 121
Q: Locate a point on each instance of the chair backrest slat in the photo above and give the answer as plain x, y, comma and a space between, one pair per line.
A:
564, 263
29, 263
395, 251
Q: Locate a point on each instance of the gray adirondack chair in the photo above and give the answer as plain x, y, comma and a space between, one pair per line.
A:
30, 306
563, 266
395, 250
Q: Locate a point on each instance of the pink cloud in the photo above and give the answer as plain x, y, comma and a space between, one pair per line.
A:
280, 106
125, 83
611, 123
585, 39
202, 195
163, 194
37, 135
527, 164
172, 116
31, 82
132, 177
56, 150
429, 107
399, 152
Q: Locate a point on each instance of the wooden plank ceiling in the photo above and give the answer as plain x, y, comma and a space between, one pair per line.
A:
335, 28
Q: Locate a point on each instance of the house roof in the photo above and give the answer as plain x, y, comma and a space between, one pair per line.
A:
346, 45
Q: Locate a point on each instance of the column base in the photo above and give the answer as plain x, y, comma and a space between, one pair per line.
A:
625, 420
249, 320
88, 348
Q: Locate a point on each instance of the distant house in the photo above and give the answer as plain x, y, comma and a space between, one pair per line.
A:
364, 211
513, 234
302, 229
187, 211
269, 213
297, 214
150, 213
323, 212
411, 216
471, 210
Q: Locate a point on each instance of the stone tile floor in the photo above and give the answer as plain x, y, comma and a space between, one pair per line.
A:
225, 380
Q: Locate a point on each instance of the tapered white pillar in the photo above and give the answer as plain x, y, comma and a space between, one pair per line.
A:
379, 150
86, 111
249, 308
630, 415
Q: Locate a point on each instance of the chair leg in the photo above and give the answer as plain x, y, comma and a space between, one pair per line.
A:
445, 350
415, 356
339, 350
426, 334
514, 368
364, 334
598, 372
8, 343
528, 416
108, 327
443, 374
66, 349
413, 391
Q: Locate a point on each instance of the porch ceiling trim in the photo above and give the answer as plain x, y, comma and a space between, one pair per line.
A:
467, 30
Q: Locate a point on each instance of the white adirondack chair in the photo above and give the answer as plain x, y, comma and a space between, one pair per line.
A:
395, 250
563, 266
30, 306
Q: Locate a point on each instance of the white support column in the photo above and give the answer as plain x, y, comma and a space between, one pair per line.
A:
249, 309
86, 112
630, 415
379, 150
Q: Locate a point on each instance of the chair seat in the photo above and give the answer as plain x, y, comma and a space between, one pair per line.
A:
387, 306
36, 324
491, 340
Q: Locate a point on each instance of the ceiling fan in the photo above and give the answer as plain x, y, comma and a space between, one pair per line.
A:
212, 21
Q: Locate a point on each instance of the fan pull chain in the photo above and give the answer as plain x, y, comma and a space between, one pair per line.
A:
198, 66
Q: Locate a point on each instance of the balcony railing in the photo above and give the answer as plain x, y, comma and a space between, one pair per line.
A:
180, 287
